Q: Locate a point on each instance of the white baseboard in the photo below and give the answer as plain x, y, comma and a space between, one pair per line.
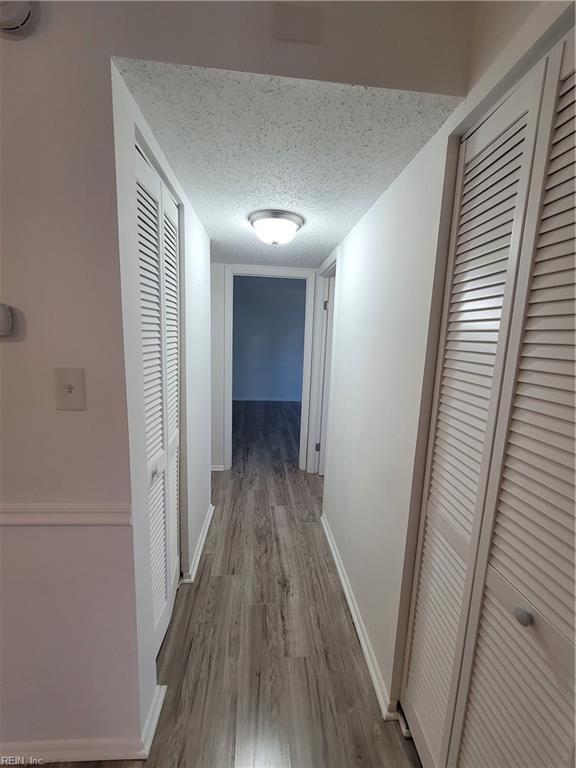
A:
218, 467
373, 668
153, 717
188, 578
88, 750
71, 751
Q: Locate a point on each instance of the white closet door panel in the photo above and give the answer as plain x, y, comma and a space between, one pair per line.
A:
176, 462
173, 515
521, 699
437, 612
158, 546
464, 402
491, 194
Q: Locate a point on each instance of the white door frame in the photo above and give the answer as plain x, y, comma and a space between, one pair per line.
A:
315, 433
248, 270
327, 370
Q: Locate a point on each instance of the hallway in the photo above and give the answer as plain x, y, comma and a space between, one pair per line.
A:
262, 661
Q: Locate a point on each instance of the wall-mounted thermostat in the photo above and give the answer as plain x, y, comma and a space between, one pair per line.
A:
6, 320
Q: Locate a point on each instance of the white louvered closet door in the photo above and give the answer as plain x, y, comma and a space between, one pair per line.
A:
517, 690
490, 202
157, 236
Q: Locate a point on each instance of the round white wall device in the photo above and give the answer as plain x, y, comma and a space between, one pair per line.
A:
13, 15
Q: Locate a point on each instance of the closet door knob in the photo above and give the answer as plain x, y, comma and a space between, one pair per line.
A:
523, 616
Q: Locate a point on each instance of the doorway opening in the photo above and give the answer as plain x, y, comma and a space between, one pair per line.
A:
281, 325
269, 318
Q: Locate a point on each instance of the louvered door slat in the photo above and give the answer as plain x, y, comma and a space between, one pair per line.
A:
491, 195
494, 204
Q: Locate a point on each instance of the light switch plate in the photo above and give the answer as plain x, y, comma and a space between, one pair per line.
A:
70, 389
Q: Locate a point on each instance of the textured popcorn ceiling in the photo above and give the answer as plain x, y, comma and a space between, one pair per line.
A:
239, 142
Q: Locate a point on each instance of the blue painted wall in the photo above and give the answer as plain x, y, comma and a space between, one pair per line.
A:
268, 338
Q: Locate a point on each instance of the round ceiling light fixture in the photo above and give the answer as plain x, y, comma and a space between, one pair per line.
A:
275, 227
13, 15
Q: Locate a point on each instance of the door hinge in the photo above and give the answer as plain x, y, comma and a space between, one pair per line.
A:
317, 446
326, 304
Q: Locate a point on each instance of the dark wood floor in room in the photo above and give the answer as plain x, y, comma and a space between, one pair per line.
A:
262, 661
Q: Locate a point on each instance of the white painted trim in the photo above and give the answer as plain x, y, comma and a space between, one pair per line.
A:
228, 365
188, 578
253, 270
73, 750
324, 402
369, 655
329, 263
317, 374
153, 717
52, 513
88, 750
218, 468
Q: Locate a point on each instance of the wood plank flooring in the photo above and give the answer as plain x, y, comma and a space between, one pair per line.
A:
262, 661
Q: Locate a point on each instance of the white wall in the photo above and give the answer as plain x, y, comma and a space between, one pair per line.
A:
387, 303
60, 270
198, 384
68, 654
217, 282
383, 299
268, 343
493, 24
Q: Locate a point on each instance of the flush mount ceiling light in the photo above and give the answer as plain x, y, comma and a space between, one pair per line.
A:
276, 227
13, 15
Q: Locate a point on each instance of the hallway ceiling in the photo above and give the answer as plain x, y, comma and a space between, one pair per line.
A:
239, 142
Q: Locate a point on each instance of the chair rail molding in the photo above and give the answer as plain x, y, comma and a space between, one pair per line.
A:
65, 513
